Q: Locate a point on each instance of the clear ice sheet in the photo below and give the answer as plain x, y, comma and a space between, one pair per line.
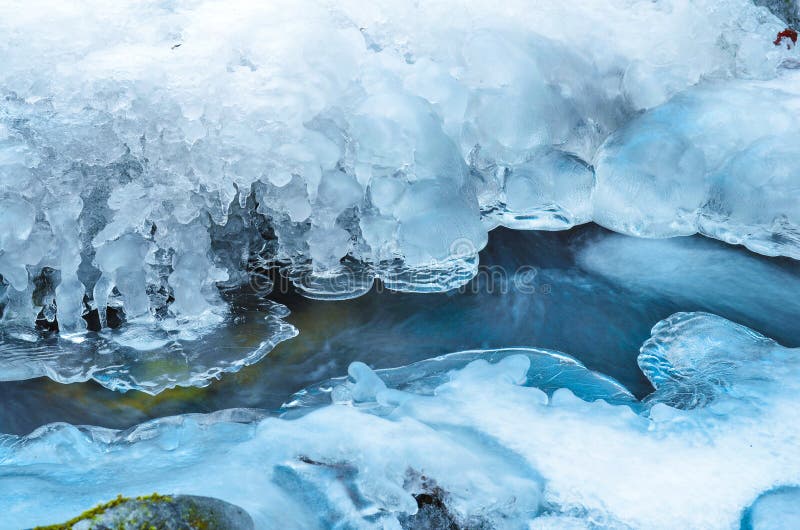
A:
499, 451
548, 370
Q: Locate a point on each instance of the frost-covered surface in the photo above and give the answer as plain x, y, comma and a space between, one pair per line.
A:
153, 151
495, 450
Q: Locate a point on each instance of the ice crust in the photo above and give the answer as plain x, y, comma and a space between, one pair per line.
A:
152, 152
145, 359
498, 451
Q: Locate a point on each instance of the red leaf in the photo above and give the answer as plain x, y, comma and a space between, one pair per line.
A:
788, 33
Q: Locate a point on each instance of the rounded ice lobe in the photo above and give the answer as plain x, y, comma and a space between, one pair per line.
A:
692, 359
778, 509
551, 190
367, 384
694, 164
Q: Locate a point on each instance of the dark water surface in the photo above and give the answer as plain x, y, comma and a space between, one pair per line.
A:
586, 292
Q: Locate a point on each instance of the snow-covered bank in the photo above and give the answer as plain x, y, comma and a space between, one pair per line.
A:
476, 433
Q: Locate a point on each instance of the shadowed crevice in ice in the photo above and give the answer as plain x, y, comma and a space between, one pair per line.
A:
491, 448
786, 10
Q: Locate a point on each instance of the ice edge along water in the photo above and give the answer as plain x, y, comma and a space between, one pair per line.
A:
720, 430
131, 180
329, 140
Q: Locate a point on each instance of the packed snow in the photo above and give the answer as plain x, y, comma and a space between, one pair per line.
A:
504, 441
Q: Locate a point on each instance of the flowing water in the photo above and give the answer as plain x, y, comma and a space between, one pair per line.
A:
586, 291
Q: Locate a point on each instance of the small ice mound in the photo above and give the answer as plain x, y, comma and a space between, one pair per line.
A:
367, 385
691, 165
694, 358
546, 370
146, 358
550, 190
777, 509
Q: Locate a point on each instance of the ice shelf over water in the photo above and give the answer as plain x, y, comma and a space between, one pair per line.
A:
587, 291
149, 360
154, 152
590, 292
475, 433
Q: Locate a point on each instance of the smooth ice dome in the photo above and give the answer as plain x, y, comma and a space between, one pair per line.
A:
696, 165
153, 153
503, 440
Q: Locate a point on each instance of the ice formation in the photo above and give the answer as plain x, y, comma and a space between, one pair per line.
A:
695, 165
146, 359
160, 158
476, 433
778, 509
154, 152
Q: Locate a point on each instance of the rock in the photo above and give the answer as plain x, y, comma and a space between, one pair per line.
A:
160, 512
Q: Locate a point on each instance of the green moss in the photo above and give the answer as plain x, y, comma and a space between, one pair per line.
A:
198, 521
92, 513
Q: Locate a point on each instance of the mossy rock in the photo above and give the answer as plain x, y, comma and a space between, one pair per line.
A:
160, 512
